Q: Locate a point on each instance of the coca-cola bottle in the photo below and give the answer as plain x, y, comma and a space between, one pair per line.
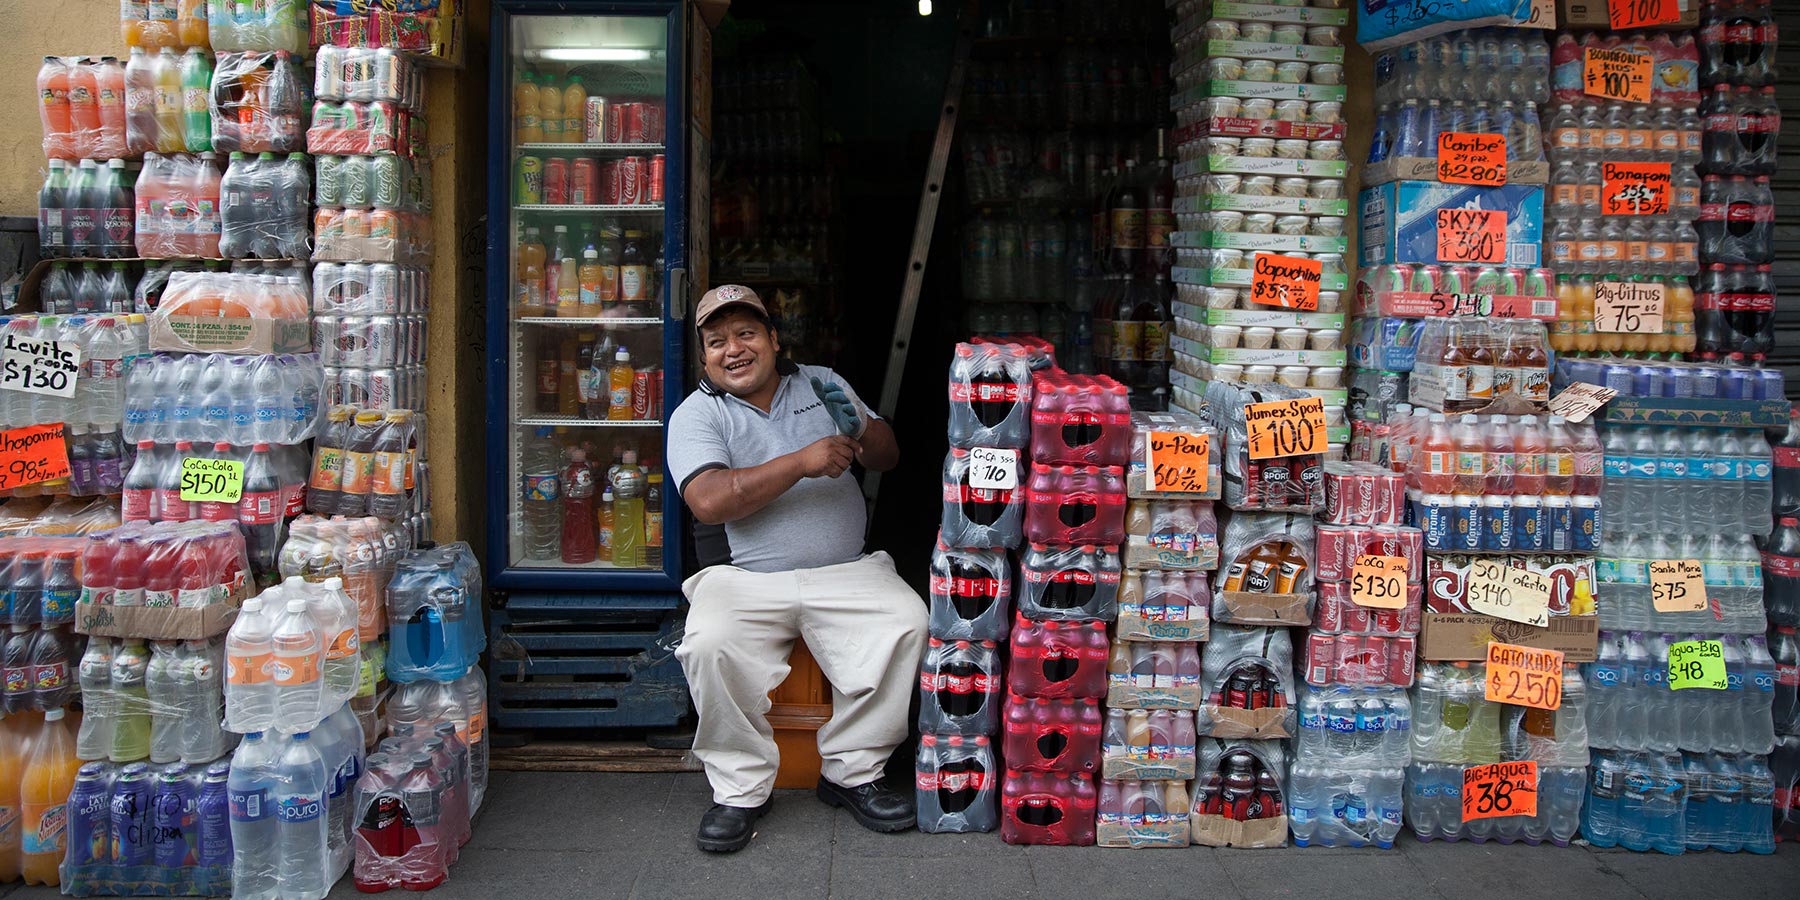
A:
1737, 43
1781, 572
959, 688
956, 784
1787, 467
1785, 649
970, 594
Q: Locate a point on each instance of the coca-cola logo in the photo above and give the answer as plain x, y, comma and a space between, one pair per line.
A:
1039, 811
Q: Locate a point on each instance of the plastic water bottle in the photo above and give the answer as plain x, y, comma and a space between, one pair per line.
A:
1603, 692
251, 787
1756, 472
249, 687
1759, 696
301, 793
343, 667
100, 396
203, 699
1304, 792
160, 684
296, 666
95, 676
541, 497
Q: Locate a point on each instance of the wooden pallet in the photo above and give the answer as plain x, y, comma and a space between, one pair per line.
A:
590, 756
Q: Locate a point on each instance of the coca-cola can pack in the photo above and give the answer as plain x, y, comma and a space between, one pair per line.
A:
1359, 660
1363, 494
1339, 545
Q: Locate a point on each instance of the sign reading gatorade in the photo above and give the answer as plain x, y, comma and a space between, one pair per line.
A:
1178, 461
1471, 236
1286, 427
1677, 585
216, 480
1635, 188
1697, 664
33, 454
1524, 676
1472, 158
1286, 281
1616, 74
1624, 15
1500, 789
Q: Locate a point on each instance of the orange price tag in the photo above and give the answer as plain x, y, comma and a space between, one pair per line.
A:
1677, 585
1471, 235
1624, 15
1629, 307
1635, 188
1178, 461
1286, 281
1286, 427
33, 454
1500, 789
1524, 676
1378, 582
1616, 74
1472, 158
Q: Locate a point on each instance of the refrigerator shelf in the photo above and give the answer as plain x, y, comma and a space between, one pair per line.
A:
605, 321
579, 422
555, 147
571, 209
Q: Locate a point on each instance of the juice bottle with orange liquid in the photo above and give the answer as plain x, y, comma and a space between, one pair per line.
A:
14, 744
1678, 314
132, 14
574, 111
528, 122
550, 108
530, 274
49, 776
191, 24
53, 108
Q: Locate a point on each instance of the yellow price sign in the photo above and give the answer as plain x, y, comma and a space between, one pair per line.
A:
1697, 664
211, 480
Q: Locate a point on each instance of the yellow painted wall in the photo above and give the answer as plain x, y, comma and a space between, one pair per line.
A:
456, 103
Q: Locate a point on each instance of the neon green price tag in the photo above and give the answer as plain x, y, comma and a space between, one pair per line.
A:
211, 480
1697, 664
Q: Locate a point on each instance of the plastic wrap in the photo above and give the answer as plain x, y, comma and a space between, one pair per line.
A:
361, 182
377, 289
1072, 584
1331, 806
37, 669
223, 312
400, 387
140, 830
1383, 27
1143, 424
372, 235
1346, 728
1171, 534
1079, 420
83, 107
257, 103
429, 27
365, 463
355, 128
292, 657
959, 688
971, 594
165, 581
990, 396
265, 207
1372, 660
67, 515
177, 206
1277, 484
368, 74
1052, 735
981, 518
1149, 745
162, 700
957, 784
39, 580
1247, 678
364, 552
1238, 799
1153, 675
1266, 567
459, 705
370, 342
434, 604
292, 815
1047, 808
1434, 806
1164, 606
208, 398
1058, 659
1075, 505
411, 813
234, 25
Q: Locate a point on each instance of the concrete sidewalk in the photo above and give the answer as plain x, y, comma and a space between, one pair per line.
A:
548, 836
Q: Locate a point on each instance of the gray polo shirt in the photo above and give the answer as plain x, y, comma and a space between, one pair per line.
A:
817, 522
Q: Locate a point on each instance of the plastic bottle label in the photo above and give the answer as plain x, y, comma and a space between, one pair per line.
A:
343, 645
45, 836
246, 669
359, 472
59, 605
291, 671
390, 473
300, 807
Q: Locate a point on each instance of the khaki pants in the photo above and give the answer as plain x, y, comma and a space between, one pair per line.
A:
866, 628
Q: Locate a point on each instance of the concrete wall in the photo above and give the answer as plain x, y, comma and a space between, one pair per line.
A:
456, 110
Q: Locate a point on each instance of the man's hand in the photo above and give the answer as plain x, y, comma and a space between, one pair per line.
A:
828, 457
843, 410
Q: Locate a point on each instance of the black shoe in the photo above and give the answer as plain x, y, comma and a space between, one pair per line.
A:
875, 806
727, 829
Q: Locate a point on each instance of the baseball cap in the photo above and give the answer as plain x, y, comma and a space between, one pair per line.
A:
724, 297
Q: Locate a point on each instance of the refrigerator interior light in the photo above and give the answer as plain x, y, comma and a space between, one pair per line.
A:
593, 54
924, 7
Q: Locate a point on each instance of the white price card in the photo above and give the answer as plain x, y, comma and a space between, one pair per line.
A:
991, 469
39, 367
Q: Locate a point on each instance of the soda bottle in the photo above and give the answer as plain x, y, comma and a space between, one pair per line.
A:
577, 538
53, 238
619, 386
196, 86
48, 778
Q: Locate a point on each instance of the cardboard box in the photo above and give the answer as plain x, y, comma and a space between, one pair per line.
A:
1311, 53
1465, 636
1251, 608
1697, 413
1258, 724
1240, 278
1263, 165
1397, 221
1275, 318
1438, 304
1421, 168
1285, 206
1142, 837
1211, 830
1240, 126
1143, 555
1592, 14
1114, 768
1301, 15
1121, 695
1272, 90
157, 624
1138, 628
216, 334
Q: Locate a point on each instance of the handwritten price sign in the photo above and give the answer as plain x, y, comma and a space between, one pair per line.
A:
1286, 281
1677, 585
1616, 74
33, 454
993, 470
1524, 676
1378, 582
1471, 158
1624, 15
1500, 789
1471, 235
1579, 400
211, 480
39, 367
1497, 589
1635, 188
1178, 461
1286, 427
1697, 664
1629, 307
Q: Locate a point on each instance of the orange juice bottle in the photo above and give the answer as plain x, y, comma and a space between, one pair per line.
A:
191, 25
550, 109
1586, 340
132, 14
528, 123
618, 385
574, 111
590, 279
49, 776
14, 743
529, 298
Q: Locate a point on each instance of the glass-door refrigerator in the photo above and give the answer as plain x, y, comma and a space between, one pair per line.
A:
587, 248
